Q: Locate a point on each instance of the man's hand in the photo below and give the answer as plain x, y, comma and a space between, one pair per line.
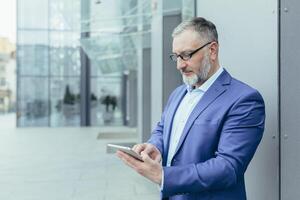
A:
149, 149
151, 167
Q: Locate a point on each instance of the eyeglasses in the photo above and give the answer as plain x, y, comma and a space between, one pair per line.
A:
186, 56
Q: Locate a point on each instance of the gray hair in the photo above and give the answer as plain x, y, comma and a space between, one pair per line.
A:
206, 29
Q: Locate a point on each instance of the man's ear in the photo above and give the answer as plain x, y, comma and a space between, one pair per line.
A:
214, 51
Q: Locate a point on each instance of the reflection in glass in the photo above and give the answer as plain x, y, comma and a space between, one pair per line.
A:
52, 43
105, 101
32, 58
48, 63
65, 102
117, 30
64, 54
33, 101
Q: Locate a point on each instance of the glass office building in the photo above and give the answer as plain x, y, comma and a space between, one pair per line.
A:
77, 61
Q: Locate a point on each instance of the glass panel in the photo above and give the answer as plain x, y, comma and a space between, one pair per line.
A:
33, 62
65, 102
65, 66
117, 31
33, 101
64, 15
32, 53
48, 49
32, 14
64, 54
106, 104
103, 16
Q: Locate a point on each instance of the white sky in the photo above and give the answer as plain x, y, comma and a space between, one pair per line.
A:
8, 19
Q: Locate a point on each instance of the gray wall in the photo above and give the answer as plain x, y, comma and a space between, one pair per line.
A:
171, 76
290, 98
248, 50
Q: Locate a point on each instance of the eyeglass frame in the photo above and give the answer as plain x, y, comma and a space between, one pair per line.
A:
174, 56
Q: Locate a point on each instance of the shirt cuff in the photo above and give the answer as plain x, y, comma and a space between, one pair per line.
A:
162, 180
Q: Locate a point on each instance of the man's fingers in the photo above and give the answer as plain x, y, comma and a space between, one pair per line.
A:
134, 147
153, 153
138, 148
149, 168
138, 166
128, 160
157, 158
146, 157
149, 150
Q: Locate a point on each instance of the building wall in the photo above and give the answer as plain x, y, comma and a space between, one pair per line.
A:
7, 76
289, 99
248, 32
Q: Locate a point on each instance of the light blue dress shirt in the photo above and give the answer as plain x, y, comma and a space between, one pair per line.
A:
185, 108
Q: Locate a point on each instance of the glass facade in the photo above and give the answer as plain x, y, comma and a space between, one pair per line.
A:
52, 42
114, 47
48, 62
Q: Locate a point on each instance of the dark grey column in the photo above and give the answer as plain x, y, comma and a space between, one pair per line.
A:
85, 92
124, 99
132, 98
171, 76
146, 95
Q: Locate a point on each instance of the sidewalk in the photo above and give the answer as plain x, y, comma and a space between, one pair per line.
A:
66, 164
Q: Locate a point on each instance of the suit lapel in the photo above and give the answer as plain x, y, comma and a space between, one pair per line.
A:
216, 89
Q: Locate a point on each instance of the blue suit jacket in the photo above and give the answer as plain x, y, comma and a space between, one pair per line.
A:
217, 143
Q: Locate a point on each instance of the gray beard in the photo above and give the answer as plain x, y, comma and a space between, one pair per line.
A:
201, 77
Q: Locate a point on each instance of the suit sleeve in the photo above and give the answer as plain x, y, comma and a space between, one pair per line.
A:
240, 135
157, 134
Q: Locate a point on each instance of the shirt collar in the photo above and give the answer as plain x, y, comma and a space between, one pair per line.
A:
206, 85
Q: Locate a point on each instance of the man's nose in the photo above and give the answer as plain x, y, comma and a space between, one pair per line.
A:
181, 63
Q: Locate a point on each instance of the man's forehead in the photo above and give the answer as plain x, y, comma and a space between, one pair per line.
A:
186, 40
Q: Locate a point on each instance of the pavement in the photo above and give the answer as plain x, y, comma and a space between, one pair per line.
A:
66, 164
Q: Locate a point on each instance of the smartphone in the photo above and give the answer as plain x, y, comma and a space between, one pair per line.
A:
127, 150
